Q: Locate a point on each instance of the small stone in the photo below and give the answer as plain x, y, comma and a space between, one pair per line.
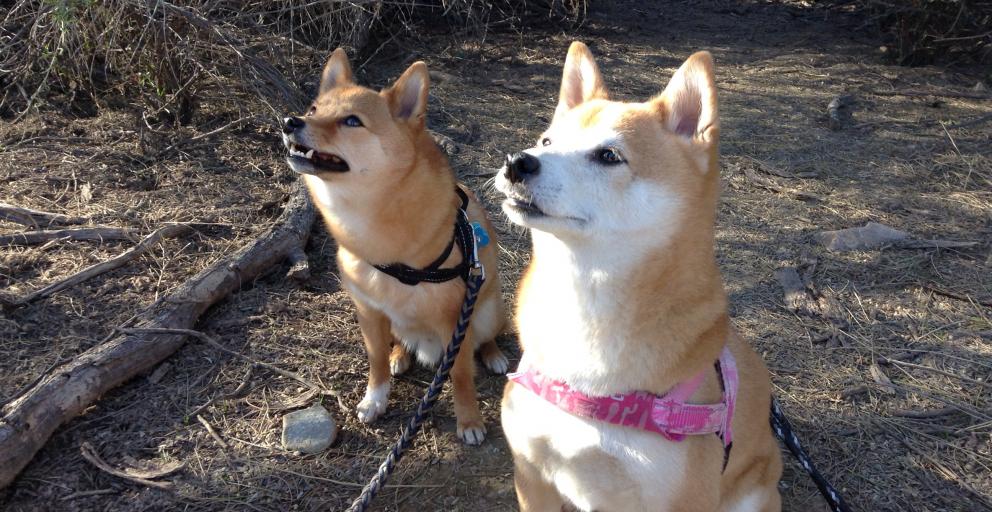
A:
308, 431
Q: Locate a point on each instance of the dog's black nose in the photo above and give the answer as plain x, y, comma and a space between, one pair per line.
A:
291, 124
521, 165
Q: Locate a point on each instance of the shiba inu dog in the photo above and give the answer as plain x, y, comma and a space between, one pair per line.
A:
389, 198
633, 392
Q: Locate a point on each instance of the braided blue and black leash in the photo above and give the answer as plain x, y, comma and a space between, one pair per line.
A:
783, 430
473, 284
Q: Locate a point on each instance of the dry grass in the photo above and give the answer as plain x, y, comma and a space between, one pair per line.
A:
930, 31
916, 163
75, 52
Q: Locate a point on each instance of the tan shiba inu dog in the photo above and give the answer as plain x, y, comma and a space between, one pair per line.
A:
623, 303
388, 196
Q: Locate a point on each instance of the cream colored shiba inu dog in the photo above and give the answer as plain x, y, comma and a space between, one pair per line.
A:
633, 393
389, 198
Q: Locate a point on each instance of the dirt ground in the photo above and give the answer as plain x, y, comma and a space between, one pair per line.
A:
918, 161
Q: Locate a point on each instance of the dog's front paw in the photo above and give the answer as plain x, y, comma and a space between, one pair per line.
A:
472, 432
496, 363
374, 403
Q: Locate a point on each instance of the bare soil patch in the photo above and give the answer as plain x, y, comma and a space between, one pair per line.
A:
912, 153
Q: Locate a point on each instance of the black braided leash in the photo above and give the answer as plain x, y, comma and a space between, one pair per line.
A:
472, 286
783, 430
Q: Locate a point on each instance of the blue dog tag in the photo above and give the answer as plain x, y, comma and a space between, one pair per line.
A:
481, 237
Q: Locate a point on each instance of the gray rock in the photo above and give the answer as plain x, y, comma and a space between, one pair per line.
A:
309, 431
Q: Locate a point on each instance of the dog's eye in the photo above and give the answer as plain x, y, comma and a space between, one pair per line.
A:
609, 156
312, 111
352, 121
545, 141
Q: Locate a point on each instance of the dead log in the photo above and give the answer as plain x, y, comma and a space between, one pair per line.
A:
97, 234
27, 422
35, 218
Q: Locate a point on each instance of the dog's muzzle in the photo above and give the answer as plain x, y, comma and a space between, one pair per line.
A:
304, 159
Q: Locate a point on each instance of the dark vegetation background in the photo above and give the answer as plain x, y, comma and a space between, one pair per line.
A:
138, 113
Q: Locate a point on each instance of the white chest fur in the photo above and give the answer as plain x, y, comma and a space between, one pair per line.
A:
406, 306
594, 465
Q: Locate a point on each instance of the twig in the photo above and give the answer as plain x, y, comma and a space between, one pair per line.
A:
238, 392
90, 455
769, 184
950, 475
971, 122
213, 433
99, 234
945, 293
945, 94
84, 494
37, 379
932, 413
36, 218
100, 268
213, 343
939, 371
970, 411
28, 422
203, 135
350, 484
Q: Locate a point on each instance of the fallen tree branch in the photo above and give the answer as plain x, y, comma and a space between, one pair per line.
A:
98, 234
35, 218
89, 453
118, 261
27, 422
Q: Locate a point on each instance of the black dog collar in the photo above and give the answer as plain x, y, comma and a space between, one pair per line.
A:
465, 238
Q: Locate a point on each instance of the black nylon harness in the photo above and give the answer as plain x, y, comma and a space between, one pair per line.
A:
433, 273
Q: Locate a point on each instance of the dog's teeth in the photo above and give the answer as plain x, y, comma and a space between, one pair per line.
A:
309, 154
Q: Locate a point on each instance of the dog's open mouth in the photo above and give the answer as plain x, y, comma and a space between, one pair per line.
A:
317, 160
523, 206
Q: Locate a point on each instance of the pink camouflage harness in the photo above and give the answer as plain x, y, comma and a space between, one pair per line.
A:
668, 415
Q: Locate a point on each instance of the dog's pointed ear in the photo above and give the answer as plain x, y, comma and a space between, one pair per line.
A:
337, 71
408, 95
580, 80
688, 104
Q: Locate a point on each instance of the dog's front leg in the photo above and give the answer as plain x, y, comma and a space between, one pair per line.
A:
534, 494
471, 428
378, 340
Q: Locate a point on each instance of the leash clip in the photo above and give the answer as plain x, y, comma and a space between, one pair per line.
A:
475, 266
